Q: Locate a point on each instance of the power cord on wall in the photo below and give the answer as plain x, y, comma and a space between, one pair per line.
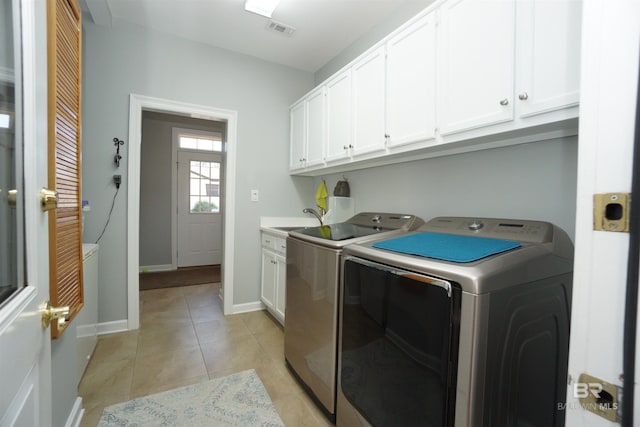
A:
117, 180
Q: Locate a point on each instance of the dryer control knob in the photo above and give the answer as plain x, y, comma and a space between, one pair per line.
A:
376, 218
475, 225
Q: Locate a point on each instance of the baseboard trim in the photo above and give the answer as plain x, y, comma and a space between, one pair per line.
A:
83, 331
76, 414
123, 325
248, 307
112, 327
155, 268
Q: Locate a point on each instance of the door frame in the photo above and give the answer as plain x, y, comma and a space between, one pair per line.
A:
175, 147
138, 103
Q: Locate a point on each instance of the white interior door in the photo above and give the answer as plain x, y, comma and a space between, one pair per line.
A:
609, 78
25, 347
199, 208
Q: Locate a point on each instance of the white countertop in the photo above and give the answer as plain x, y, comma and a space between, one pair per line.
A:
269, 224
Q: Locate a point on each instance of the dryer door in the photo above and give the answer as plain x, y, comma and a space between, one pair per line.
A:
398, 345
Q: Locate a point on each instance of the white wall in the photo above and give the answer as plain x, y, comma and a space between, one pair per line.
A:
127, 59
530, 181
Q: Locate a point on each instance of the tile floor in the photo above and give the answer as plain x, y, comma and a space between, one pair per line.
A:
183, 339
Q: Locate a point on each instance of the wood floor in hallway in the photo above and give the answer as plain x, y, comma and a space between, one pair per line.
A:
184, 339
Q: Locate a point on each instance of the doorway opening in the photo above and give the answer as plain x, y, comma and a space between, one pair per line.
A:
182, 190
142, 105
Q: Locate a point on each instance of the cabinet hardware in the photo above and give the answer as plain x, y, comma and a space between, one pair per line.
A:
504, 102
344, 146
350, 145
48, 199
49, 313
523, 96
386, 135
12, 198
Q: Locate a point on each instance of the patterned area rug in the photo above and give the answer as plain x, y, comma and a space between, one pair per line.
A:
235, 400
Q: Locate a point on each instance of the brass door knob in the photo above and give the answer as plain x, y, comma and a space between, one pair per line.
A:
12, 198
61, 314
48, 199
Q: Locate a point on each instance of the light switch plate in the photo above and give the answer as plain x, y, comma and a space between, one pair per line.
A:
254, 195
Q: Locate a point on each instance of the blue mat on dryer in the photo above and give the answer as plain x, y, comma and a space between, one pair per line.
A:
447, 247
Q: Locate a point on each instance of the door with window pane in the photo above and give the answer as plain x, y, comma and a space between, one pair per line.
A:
199, 208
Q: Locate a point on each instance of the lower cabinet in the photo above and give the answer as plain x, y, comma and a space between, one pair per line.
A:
273, 276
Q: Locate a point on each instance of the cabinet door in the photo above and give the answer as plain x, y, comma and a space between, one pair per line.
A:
411, 79
339, 116
548, 55
476, 63
368, 102
315, 127
268, 292
298, 135
281, 287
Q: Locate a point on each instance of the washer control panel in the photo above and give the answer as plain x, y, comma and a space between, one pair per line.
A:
495, 228
391, 221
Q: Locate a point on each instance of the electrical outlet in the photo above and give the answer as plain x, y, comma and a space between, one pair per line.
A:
117, 180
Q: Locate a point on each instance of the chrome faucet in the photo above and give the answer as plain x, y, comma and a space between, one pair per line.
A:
320, 215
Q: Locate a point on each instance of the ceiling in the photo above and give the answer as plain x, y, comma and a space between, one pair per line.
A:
323, 27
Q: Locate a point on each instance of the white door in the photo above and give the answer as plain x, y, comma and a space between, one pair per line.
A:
339, 116
476, 64
199, 208
548, 55
368, 102
315, 129
298, 135
411, 83
609, 78
25, 347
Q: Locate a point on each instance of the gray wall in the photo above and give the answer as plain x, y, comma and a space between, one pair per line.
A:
6, 35
529, 181
155, 181
401, 15
64, 374
127, 59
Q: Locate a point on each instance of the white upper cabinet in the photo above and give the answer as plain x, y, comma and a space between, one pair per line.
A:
411, 83
369, 102
315, 105
338, 90
476, 63
462, 75
547, 55
307, 131
298, 133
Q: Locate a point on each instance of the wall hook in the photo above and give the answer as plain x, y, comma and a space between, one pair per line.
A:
116, 159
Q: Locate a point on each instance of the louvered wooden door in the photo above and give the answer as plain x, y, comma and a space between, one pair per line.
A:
65, 222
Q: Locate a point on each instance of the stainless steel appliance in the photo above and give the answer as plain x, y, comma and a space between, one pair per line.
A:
311, 314
432, 336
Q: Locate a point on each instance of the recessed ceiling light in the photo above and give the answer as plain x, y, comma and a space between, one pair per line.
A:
261, 7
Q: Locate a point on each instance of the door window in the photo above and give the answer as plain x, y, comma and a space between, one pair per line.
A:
204, 186
11, 194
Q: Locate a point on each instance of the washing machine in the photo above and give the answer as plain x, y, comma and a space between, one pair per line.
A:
463, 322
311, 314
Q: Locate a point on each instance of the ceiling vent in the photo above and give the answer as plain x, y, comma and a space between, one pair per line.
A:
280, 28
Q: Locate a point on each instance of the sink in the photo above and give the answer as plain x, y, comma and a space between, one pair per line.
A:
287, 228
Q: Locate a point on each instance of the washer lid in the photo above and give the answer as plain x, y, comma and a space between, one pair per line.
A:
447, 247
341, 231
